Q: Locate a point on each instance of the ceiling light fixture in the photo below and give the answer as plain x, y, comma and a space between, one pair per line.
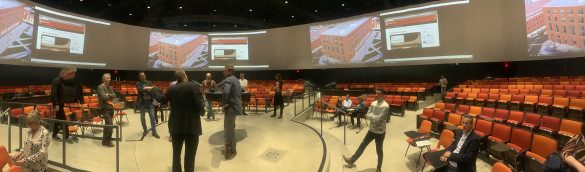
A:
286, 2
343, 5
148, 7
292, 16
250, 10
184, 25
130, 14
180, 7
316, 11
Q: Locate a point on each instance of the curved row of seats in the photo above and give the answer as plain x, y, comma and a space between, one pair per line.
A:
558, 106
530, 137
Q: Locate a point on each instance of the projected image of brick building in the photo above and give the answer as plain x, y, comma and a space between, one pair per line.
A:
342, 41
11, 16
535, 21
316, 37
153, 43
175, 50
565, 23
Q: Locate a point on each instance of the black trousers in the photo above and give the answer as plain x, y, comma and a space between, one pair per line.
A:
191, 142
108, 114
379, 146
357, 116
60, 114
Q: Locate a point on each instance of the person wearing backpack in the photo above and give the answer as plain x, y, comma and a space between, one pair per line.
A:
574, 152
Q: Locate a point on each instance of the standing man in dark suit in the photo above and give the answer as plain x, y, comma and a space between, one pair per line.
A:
232, 105
184, 121
462, 153
64, 90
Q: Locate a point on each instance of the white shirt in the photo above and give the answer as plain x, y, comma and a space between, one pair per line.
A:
443, 82
459, 145
346, 103
244, 83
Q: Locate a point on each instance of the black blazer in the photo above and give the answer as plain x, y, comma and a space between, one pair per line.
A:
468, 154
186, 108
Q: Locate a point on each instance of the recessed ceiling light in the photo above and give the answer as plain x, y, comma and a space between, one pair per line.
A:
292, 16
342, 5
184, 25
286, 2
316, 11
180, 7
130, 14
214, 10
80, 0
235, 25
250, 10
109, 4
148, 7
213, 25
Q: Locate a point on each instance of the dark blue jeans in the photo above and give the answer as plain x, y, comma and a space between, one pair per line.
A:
144, 106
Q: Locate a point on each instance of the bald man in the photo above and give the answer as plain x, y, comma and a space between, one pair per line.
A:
208, 84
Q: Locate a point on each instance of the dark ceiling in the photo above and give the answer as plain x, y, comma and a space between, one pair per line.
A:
223, 15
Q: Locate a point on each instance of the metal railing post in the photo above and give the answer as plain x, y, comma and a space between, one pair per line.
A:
118, 130
21, 118
63, 141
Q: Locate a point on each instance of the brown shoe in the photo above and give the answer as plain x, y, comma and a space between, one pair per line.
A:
227, 151
378, 170
348, 161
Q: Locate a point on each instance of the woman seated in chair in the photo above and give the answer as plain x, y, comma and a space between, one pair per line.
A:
574, 152
34, 155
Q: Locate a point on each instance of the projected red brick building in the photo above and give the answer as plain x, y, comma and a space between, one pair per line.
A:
316, 38
177, 49
565, 23
534, 18
342, 41
11, 15
153, 44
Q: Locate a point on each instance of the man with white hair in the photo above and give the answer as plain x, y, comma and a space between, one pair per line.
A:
208, 84
105, 95
64, 90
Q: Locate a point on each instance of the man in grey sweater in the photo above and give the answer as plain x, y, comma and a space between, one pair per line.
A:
105, 96
377, 115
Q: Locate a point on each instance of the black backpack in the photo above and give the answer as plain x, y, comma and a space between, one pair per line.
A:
554, 162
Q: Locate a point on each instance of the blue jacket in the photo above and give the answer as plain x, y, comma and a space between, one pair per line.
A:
232, 95
467, 156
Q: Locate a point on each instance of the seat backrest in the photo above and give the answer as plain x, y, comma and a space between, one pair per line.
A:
518, 98
561, 101
514, 91
454, 119
505, 97
462, 95
457, 90
450, 106
551, 122
483, 90
500, 167
511, 86
571, 126
445, 139
490, 112
428, 112
440, 105
494, 96
4, 158
516, 116
524, 91
28, 109
570, 87
16, 112
439, 115
463, 108
560, 93
495, 91
547, 86
546, 93
545, 99
578, 103
476, 90
521, 138
502, 132
534, 92
558, 87
573, 94
532, 118
504, 91
475, 110
467, 90
533, 99
484, 126
450, 94
482, 96
425, 127
543, 145
502, 113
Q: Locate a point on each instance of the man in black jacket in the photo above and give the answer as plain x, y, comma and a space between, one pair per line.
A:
462, 153
64, 89
184, 122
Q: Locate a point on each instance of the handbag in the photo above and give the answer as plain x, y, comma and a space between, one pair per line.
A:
554, 162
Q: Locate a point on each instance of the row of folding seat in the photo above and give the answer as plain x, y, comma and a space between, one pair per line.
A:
559, 106
545, 87
546, 92
515, 133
